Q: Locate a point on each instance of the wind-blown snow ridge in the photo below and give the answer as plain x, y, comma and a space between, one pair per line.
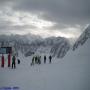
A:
83, 37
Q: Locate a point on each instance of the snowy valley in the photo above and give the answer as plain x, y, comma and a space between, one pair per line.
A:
69, 69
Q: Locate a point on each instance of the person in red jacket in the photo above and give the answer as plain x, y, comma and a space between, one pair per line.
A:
9, 60
2, 63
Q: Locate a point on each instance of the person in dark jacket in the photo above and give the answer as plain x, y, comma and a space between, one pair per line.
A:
36, 60
18, 61
50, 58
9, 60
39, 59
32, 63
44, 59
13, 62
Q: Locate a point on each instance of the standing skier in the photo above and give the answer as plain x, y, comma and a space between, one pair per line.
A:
2, 64
44, 59
36, 60
50, 58
39, 59
32, 63
13, 62
9, 60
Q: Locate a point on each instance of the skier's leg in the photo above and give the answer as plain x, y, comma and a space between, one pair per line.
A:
50, 60
12, 65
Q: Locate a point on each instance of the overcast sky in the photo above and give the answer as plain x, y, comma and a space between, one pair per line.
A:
65, 18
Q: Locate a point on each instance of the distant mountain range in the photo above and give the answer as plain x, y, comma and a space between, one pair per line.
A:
31, 44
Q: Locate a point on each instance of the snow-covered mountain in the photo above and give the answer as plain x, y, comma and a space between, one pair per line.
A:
56, 46
18, 42
60, 47
83, 38
31, 44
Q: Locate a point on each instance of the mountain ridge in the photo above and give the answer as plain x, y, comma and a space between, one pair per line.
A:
83, 38
32, 44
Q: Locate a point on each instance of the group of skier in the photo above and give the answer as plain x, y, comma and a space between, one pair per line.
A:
11, 63
37, 59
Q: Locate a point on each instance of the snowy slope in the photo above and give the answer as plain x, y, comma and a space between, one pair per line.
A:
83, 38
79, 64
70, 73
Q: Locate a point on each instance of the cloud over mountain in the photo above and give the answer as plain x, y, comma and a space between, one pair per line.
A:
61, 17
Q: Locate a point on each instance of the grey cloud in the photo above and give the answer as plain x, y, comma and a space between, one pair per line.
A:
24, 27
5, 2
6, 26
67, 11
63, 12
16, 27
57, 26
